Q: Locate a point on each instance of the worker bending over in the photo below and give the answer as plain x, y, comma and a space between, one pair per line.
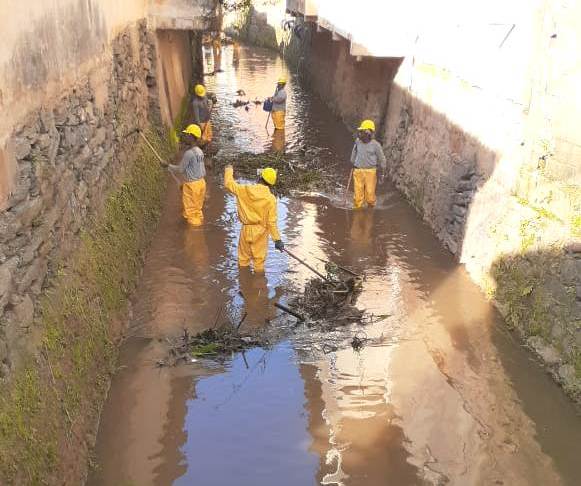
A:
279, 104
258, 215
201, 109
367, 154
193, 171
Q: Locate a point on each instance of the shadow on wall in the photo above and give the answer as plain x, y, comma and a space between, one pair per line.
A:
539, 294
354, 90
437, 165
177, 55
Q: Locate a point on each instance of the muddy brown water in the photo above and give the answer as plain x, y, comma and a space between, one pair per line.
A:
440, 394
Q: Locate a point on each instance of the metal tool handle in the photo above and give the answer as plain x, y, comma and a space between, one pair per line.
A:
348, 185
163, 162
306, 265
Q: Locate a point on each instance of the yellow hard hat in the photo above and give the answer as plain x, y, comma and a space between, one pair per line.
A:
367, 125
281, 80
200, 90
269, 176
194, 130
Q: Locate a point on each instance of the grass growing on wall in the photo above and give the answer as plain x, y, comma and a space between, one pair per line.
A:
54, 399
180, 122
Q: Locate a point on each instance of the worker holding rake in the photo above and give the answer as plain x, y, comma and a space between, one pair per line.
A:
258, 214
193, 170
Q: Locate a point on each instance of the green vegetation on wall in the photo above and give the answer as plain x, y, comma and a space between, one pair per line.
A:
53, 401
536, 288
180, 122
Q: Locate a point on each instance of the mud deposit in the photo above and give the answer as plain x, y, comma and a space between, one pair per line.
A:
429, 389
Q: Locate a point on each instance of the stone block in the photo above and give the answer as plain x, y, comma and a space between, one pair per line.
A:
23, 184
99, 137
27, 211
10, 227
3, 350
459, 210
60, 115
547, 352
92, 176
4, 371
24, 312
44, 141
71, 137
29, 129
27, 255
84, 134
22, 147
566, 373
7, 270
83, 158
35, 273
47, 123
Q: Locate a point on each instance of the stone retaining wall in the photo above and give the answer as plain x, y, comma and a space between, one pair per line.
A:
68, 156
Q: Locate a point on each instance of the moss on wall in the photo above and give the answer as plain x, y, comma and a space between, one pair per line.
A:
180, 122
49, 409
531, 295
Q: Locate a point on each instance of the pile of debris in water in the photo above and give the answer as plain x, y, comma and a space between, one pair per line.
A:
327, 303
213, 343
240, 102
295, 171
330, 302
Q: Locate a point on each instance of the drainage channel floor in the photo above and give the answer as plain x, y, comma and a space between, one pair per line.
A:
440, 394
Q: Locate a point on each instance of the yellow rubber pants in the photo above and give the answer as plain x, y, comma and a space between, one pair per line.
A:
364, 182
278, 119
207, 133
193, 195
252, 246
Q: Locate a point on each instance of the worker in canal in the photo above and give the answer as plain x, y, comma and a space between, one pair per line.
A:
258, 214
279, 104
193, 170
367, 157
201, 111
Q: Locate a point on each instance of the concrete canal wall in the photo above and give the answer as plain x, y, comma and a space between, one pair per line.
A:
477, 119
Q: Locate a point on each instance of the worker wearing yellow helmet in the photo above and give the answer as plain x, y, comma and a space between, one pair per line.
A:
367, 156
193, 170
201, 111
279, 104
258, 214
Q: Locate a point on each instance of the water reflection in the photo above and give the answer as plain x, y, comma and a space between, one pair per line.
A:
247, 429
258, 302
278, 141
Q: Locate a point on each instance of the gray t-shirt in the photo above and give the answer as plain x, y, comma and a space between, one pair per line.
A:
368, 155
191, 165
200, 110
279, 100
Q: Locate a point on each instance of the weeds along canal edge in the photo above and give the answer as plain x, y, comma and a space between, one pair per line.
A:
49, 411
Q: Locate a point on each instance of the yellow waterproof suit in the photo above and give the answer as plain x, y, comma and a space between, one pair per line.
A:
278, 118
193, 197
258, 215
364, 182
